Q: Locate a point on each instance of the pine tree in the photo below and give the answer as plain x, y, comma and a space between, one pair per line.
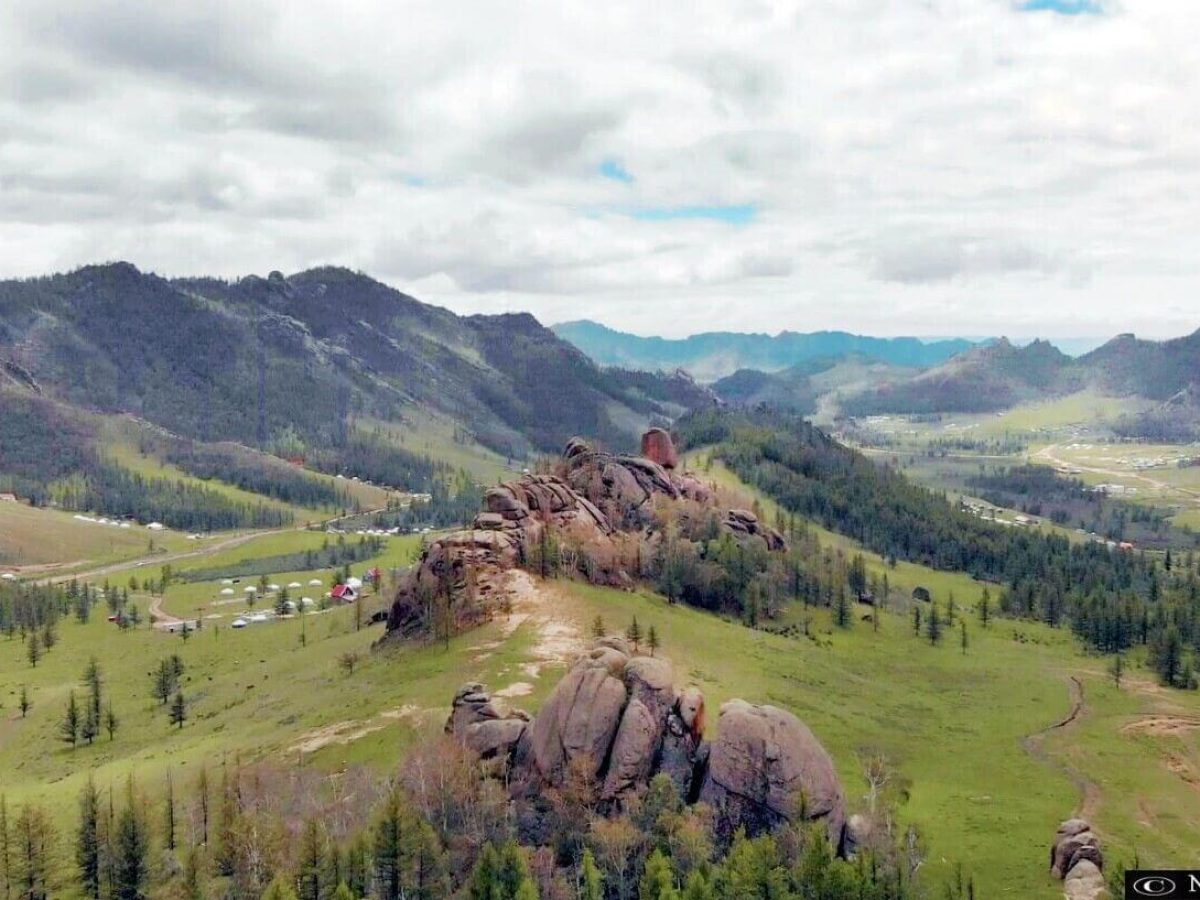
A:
634, 633
33, 839
985, 607
962, 624
698, 888
388, 848
311, 862
591, 882
111, 722
841, 611
598, 627
178, 710
169, 828
1117, 669
5, 850
652, 640
69, 728
131, 848
916, 621
87, 841
933, 627
25, 704
658, 879
33, 652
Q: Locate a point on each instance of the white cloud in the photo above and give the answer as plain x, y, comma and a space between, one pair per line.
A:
947, 167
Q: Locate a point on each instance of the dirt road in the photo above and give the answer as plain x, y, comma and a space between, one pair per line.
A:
1047, 455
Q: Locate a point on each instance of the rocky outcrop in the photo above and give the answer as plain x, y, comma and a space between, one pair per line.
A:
742, 522
591, 509
1076, 858
484, 724
617, 720
765, 768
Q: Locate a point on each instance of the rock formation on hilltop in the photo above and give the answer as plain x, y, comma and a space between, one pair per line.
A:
595, 513
617, 720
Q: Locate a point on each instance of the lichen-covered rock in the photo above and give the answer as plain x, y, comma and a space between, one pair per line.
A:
767, 767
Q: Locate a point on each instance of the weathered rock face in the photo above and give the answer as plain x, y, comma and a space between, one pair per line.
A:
484, 724
744, 522
618, 720
481, 557
1075, 857
765, 768
658, 447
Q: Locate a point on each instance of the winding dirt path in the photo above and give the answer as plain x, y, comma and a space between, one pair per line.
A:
1034, 744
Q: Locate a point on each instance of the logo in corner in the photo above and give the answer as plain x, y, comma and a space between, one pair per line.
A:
1163, 884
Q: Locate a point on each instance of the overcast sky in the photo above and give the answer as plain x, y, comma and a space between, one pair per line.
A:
929, 167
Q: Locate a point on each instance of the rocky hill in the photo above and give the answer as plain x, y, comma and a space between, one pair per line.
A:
599, 516
259, 358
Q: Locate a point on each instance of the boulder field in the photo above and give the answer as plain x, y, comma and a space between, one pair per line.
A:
599, 506
617, 720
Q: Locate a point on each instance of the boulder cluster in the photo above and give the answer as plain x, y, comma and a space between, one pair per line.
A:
594, 502
1075, 858
617, 720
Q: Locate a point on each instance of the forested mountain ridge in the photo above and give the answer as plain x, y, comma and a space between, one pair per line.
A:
1002, 375
259, 359
713, 355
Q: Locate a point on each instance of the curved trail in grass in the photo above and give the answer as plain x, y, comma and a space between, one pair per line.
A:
1034, 745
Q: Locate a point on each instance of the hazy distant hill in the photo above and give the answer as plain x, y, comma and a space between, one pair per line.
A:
258, 360
715, 355
1002, 375
984, 379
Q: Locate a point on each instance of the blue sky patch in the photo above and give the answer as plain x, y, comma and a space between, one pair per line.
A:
1063, 7
740, 214
610, 168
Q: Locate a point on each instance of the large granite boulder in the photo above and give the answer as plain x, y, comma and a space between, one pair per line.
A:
651, 690
658, 447
765, 768
576, 725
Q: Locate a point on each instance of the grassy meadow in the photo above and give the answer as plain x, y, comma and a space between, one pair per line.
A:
971, 731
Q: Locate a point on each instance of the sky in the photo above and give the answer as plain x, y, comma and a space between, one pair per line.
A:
929, 167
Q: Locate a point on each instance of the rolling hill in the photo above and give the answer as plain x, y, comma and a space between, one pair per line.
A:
714, 355
269, 361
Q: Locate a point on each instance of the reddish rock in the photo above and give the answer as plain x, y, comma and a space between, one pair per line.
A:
658, 447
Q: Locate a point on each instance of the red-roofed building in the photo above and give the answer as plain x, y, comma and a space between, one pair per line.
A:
343, 593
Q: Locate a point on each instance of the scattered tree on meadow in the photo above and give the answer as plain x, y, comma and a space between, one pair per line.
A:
178, 714
68, 729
